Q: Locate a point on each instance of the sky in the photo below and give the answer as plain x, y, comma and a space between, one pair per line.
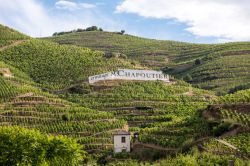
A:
196, 21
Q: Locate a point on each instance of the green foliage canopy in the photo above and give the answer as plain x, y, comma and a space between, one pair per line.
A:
20, 146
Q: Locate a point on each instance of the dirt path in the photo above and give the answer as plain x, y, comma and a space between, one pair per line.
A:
227, 144
237, 152
15, 43
99, 144
107, 131
154, 146
65, 89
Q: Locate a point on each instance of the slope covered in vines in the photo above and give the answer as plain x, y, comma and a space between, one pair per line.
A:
23, 103
168, 116
149, 52
55, 67
217, 67
6, 33
9, 36
165, 115
223, 73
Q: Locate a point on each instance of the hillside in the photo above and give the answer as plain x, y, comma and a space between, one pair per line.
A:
43, 86
10, 36
55, 67
217, 67
23, 103
35, 68
159, 112
7, 33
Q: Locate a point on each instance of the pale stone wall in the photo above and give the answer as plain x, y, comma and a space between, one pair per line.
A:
119, 146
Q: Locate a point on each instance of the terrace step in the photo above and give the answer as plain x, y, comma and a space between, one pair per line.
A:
153, 146
28, 103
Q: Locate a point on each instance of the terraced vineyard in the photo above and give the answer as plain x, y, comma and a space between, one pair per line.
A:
9, 36
46, 89
241, 142
163, 114
217, 67
55, 67
149, 52
233, 108
27, 106
224, 73
231, 112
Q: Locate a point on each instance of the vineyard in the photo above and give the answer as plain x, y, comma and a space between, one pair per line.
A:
241, 142
55, 67
9, 36
155, 53
7, 33
48, 95
224, 73
217, 67
24, 104
163, 114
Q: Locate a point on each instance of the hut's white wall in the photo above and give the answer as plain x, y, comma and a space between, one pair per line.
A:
120, 146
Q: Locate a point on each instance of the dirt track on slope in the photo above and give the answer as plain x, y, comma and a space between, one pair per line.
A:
15, 43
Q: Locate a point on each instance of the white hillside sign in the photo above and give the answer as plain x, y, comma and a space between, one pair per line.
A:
128, 74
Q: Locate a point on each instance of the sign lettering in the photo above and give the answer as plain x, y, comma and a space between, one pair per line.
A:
128, 74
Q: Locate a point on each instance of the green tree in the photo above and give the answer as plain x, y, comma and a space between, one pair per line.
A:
92, 28
20, 146
197, 62
188, 78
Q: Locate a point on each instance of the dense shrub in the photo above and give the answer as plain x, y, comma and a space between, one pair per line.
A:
167, 69
188, 78
205, 159
92, 28
221, 128
197, 62
240, 87
20, 146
